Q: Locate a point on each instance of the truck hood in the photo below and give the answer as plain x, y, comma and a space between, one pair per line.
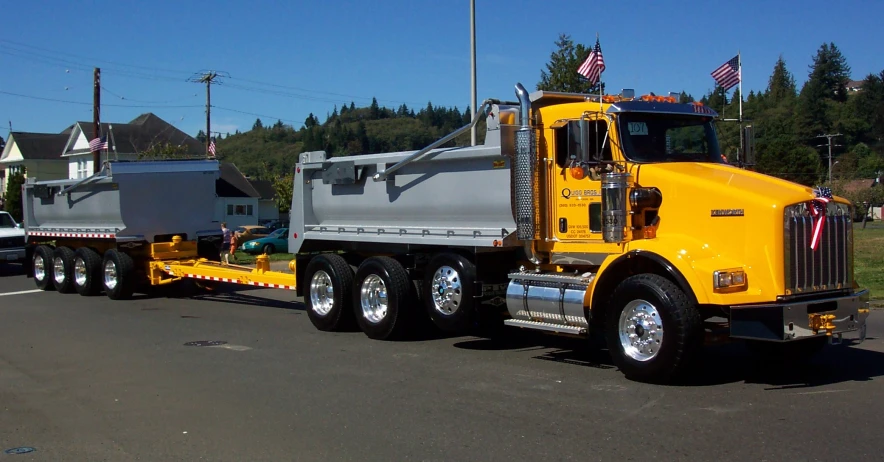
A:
12, 232
726, 183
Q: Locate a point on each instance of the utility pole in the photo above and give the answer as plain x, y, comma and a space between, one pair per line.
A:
473, 108
208, 77
96, 117
829, 136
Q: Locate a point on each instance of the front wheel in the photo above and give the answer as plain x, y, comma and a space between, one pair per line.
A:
268, 249
653, 330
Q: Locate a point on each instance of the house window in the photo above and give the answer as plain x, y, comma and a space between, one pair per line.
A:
81, 168
240, 209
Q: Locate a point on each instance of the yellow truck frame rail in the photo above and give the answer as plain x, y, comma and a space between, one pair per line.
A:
176, 260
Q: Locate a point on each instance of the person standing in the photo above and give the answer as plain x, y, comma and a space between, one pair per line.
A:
225, 244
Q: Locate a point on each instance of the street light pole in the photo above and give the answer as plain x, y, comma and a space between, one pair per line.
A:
473, 69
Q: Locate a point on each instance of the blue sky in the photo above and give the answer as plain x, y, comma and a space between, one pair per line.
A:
287, 59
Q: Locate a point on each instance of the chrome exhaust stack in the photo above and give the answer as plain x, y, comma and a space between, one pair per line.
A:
615, 189
524, 170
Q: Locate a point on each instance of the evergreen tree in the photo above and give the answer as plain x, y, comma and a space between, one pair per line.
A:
561, 71
781, 85
258, 125
13, 195
201, 136
374, 112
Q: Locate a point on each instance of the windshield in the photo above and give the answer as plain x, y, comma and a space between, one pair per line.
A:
6, 221
278, 233
648, 137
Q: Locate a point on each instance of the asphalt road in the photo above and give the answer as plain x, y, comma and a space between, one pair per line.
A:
92, 379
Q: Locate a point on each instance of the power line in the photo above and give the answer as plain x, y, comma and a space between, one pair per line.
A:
55, 100
68, 64
150, 68
143, 101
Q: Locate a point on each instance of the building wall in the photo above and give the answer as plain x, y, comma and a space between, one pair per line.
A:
236, 211
268, 210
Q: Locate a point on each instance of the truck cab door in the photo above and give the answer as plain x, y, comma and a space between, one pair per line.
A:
582, 148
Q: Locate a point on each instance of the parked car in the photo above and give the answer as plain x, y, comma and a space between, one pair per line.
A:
277, 241
249, 232
12, 239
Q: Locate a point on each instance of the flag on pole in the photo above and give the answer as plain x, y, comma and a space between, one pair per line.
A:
594, 65
728, 74
98, 144
212, 148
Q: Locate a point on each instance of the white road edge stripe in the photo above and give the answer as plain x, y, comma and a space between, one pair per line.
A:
22, 292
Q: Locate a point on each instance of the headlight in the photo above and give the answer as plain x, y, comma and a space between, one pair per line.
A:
729, 280
251, 244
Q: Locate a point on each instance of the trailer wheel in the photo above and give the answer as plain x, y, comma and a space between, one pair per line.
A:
118, 274
87, 271
42, 267
382, 298
329, 296
449, 291
63, 270
653, 330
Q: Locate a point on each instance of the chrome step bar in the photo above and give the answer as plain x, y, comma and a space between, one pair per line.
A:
546, 326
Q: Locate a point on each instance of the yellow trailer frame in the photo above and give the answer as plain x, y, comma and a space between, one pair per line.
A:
176, 260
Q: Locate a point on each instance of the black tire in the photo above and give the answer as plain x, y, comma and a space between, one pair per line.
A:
268, 249
454, 310
42, 263
63, 280
124, 275
399, 316
795, 351
91, 262
679, 319
329, 270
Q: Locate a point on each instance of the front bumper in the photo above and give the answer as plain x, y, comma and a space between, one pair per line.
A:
838, 317
14, 254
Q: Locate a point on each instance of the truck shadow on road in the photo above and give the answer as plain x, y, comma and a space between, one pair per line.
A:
11, 269
720, 364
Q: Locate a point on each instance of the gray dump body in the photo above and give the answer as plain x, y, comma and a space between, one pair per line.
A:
127, 201
449, 196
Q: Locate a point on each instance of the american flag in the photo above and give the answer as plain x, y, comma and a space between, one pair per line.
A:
212, 148
728, 74
594, 65
98, 144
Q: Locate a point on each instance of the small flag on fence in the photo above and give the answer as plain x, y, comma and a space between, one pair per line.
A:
728, 74
594, 65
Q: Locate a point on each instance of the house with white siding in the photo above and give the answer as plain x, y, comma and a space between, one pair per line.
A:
38, 155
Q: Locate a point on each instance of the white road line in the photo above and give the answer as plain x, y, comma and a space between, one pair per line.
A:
21, 292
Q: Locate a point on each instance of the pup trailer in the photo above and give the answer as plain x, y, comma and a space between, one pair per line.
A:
580, 215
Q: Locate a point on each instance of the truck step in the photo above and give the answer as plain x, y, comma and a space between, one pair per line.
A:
546, 326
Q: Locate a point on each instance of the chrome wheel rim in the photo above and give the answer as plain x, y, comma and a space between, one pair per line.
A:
322, 294
373, 299
39, 268
110, 275
446, 290
80, 272
641, 330
58, 270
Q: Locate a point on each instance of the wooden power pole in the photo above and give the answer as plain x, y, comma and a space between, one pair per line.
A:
96, 117
208, 78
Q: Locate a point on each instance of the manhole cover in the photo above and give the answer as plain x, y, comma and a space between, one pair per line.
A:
205, 343
23, 450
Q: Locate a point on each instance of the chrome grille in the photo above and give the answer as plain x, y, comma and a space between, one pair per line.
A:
830, 266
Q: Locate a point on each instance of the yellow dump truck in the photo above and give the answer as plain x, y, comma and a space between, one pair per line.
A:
581, 215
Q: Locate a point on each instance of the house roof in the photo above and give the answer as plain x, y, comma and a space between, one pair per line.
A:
232, 183
854, 84
265, 189
140, 134
39, 146
859, 185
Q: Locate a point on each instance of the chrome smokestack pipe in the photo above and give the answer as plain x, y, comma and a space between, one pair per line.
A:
524, 173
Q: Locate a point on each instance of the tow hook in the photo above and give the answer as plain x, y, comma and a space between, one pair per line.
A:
822, 322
